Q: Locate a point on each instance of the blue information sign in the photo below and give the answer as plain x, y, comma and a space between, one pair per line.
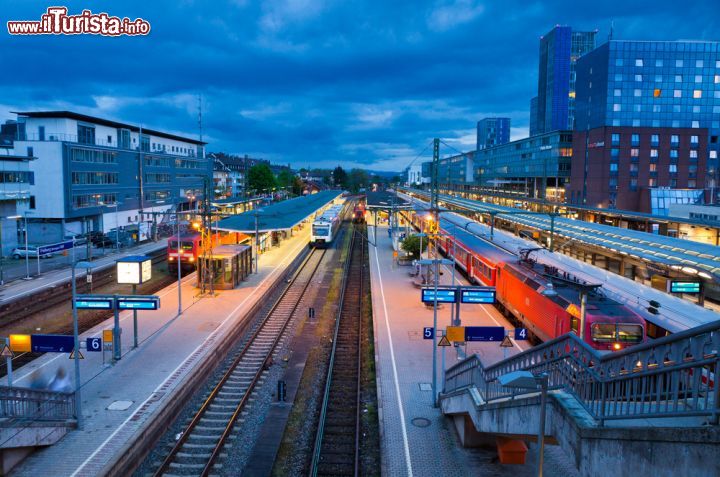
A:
444, 295
684, 287
94, 344
149, 302
55, 247
477, 295
521, 334
428, 332
51, 343
94, 302
484, 333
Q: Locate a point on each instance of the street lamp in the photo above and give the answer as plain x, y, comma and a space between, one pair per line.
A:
530, 381
27, 251
76, 336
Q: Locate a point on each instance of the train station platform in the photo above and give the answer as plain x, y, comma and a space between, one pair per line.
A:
416, 440
121, 401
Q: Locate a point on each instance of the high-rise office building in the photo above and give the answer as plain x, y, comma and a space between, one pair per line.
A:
647, 125
559, 51
492, 132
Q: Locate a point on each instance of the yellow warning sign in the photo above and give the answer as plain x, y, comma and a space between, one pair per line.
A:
455, 333
20, 343
444, 341
107, 336
506, 343
6, 352
80, 355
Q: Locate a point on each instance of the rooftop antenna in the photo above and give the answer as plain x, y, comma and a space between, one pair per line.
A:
200, 116
612, 27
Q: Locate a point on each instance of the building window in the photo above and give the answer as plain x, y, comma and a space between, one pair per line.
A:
652, 182
697, 94
695, 124
698, 78
657, 93
618, 77
694, 139
618, 62
613, 167
693, 154
633, 168
653, 153
637, 93
653, 167
86, 134
692, 183
638, 78
674, 139
673, 153
713, 154
658, 78
678, 63
617, 92
157, 178
94, 178
698, 63
672, 168
678, 78
638, 62
615, 139
617, 107
658, 63
634, 152
637, 108
89, 155
717, 79
635, 139
633, 184
614, 152
654, 140
677, 93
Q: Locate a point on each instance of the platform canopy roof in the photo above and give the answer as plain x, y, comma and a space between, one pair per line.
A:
234, 201
386, 200
279, 216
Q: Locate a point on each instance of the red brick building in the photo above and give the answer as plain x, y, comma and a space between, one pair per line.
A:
624, 167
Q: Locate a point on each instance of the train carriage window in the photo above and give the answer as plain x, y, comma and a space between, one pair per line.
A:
574, 324
630, 333
603, 332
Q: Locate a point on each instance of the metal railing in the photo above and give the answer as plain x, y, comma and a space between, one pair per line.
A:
34, 405
674, 376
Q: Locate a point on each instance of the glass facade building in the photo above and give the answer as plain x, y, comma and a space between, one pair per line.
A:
559, 51
493, 132
655, 84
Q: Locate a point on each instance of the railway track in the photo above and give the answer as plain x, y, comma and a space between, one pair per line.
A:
199, 449
337, 442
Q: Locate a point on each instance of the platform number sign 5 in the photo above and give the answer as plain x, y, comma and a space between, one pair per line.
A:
428, 333
521, 334
94, 344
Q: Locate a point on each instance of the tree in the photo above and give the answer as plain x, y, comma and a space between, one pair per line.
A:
412, 245
297, 186
357, 180
261, 177
340, 178
285, 178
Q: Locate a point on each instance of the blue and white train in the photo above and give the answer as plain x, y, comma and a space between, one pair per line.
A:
325, 226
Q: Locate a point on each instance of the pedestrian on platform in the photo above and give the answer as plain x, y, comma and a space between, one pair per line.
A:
37, 381
61, 382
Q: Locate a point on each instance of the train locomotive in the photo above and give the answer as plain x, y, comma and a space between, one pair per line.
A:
545, 300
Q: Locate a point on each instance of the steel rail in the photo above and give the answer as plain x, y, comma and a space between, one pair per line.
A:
218, 387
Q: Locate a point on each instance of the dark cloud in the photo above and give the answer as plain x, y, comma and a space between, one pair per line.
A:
318, 81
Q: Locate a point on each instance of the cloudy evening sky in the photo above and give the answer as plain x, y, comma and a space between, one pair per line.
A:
317, 82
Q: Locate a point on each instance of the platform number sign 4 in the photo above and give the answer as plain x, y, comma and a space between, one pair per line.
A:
94, 344
521, 334
428, 333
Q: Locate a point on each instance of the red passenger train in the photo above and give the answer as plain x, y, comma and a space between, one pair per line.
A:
543, 299
191, 247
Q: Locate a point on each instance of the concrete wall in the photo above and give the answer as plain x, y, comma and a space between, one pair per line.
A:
627, 451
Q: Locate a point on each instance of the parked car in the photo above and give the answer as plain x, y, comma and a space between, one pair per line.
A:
104, 241
80, 239
31, 251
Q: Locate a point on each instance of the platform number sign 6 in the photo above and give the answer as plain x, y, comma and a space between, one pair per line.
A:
521, 334
428, 333
94, 344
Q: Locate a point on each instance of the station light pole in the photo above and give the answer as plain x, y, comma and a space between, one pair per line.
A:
179, 251
257, 237
27, 250
76, 337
